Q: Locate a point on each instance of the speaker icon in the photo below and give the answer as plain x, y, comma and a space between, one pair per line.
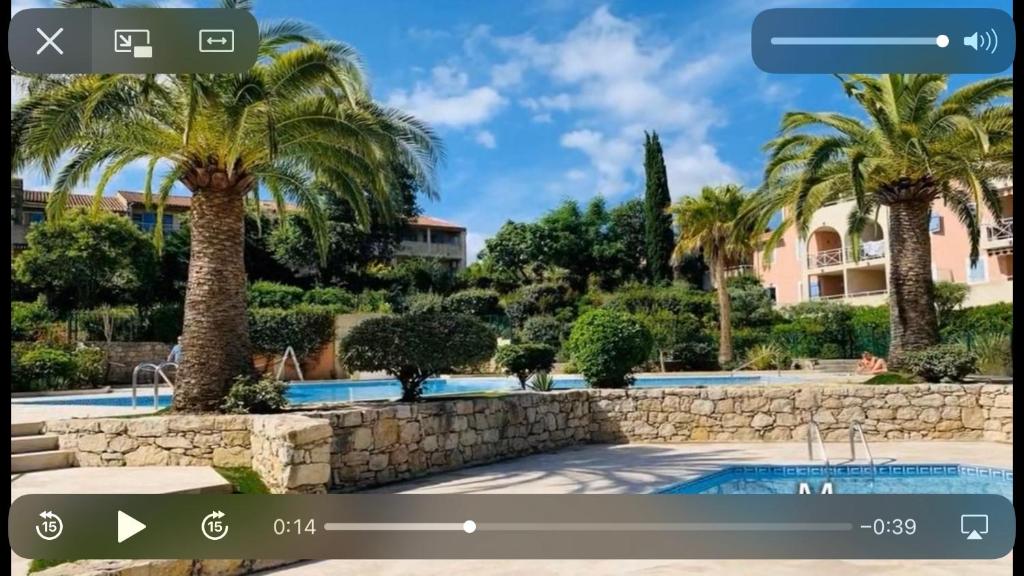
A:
987, 41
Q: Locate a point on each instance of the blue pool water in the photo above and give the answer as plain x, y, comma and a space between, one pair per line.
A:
358, 390
852, 479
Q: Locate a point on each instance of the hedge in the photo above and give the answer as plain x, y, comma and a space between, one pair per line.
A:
264, 294
336, 298
37, 367
305, 328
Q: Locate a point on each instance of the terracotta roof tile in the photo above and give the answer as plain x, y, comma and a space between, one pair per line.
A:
110, 203
434, 223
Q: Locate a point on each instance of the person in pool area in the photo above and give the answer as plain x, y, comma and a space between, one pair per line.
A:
175, 355
871, 364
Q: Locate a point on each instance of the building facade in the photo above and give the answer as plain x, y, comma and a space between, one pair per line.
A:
433, 238
425, 237
823, 266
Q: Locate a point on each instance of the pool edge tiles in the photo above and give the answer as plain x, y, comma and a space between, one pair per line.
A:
819, 472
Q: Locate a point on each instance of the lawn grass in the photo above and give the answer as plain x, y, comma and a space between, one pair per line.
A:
243, 480
39, 564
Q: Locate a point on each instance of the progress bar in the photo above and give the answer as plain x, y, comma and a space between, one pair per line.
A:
941, 41
470, 526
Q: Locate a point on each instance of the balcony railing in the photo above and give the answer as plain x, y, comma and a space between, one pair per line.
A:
739, 270
826, 258
999, 230
850, 295
871, 250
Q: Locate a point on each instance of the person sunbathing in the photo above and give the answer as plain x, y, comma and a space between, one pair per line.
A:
871, 364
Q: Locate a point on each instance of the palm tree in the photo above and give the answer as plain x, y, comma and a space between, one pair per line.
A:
710, 223
299, 122
909, 149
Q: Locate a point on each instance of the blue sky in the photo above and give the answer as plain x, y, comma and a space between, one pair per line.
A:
542, 100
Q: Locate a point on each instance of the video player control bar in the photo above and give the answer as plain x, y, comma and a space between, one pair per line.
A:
513, 526
132, 41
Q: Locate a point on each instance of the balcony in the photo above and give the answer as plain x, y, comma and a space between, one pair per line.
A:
430, 250
739, 270
864, 298
869, 251
825, 258
998, 234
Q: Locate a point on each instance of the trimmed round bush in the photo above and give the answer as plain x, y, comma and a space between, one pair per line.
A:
476, 302
606, 346
305, 328
273, 295
525, 360
544, 330
415, 347
942, 363
425, 302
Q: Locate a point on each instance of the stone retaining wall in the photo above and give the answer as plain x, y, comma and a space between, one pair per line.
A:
781, 413
378, 445
369, 445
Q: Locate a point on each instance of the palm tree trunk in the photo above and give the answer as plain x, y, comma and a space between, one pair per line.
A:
215, 342
724, 314
912, 318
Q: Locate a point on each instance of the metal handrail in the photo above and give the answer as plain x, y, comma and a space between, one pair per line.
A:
856, 428
158, 373
812, 426
289, 352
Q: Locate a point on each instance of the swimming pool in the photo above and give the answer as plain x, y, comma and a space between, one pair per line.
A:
852, 479
359, 390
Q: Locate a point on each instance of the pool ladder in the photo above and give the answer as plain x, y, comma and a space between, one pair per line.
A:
159, 373
814, 433
857, 430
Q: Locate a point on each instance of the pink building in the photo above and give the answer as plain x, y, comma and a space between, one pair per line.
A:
823, 266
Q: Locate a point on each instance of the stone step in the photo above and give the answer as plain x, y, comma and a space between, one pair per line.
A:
26, 428
40, 443
34, 461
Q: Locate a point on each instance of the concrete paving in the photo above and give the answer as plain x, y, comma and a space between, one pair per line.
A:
603, 469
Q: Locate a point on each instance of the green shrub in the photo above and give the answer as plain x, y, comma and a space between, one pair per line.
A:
373, 302
870, 326
425, 302
305, 328
29, 320
993, 352
942, 363
767, 357
415, 347
829, 325
969, 322
46, 368
751, 304
544, 330
892, 378
525, 360
547, 299
265, 294
337, 299
542, 382
248, 396
476, 302
949, 296
801, 338
748, 338
607, 346
90, 367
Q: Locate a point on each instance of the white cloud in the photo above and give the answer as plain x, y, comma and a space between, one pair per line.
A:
544, 118
507, 74
622, 83
475, 242
486, 139
448, 100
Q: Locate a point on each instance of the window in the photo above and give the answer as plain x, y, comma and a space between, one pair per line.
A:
35, 217
935, 224
146, 221
772, 293
976, 273
815, 288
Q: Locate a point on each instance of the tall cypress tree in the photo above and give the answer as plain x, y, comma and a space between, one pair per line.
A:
657, 223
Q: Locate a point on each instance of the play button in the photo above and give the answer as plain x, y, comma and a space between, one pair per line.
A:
127, 526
